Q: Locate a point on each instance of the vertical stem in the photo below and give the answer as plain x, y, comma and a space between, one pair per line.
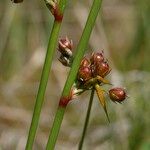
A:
56, 126
86, 120
82, 45
73, 71
42, 86
44, 77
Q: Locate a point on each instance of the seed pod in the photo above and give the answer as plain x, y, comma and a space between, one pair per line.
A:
117, 94
85, 62
65, 47
84, 74
97, 58
101, 69
17, 1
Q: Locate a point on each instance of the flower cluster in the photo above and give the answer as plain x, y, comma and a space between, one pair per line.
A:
91, 74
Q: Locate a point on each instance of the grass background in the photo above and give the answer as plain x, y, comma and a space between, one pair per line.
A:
122, 31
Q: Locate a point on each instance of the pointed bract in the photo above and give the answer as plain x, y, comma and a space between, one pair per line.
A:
100, 93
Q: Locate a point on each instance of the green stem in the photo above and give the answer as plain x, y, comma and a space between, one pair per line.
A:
82, 46
73, 71
44, 78
56, 126
86, 120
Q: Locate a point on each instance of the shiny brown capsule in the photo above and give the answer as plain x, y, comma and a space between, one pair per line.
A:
101, 69
17, 1
97, 58
85, 62
117, 94
84, 74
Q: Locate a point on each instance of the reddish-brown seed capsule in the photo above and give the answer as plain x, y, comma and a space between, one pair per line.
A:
101, 69
117, 94
85, 62
84, 74
97, 58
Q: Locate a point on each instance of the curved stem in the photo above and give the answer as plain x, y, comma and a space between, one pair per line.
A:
44, 79
86, 120
73, 72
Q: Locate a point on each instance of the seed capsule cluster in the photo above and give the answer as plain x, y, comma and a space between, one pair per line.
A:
95, 66
91, 74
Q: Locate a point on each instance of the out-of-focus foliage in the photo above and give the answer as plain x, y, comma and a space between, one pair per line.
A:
123, 32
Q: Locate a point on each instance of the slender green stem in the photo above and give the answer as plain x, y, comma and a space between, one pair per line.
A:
44, 78
57, 123
86, 120
42, 87
82, 46
74, 69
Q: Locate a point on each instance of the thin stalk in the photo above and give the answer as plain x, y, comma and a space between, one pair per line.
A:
44, 78
73, 72
86, 120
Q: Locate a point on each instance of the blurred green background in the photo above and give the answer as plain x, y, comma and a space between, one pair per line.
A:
122, 31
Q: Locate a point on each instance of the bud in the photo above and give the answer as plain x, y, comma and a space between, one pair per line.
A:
84, 74
85, 62
65, 47
101, 69
97, 58
117, 94
17, 1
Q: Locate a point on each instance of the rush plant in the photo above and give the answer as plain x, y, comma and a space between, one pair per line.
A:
86, 73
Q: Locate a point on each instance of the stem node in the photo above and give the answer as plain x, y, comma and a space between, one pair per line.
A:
64, 101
